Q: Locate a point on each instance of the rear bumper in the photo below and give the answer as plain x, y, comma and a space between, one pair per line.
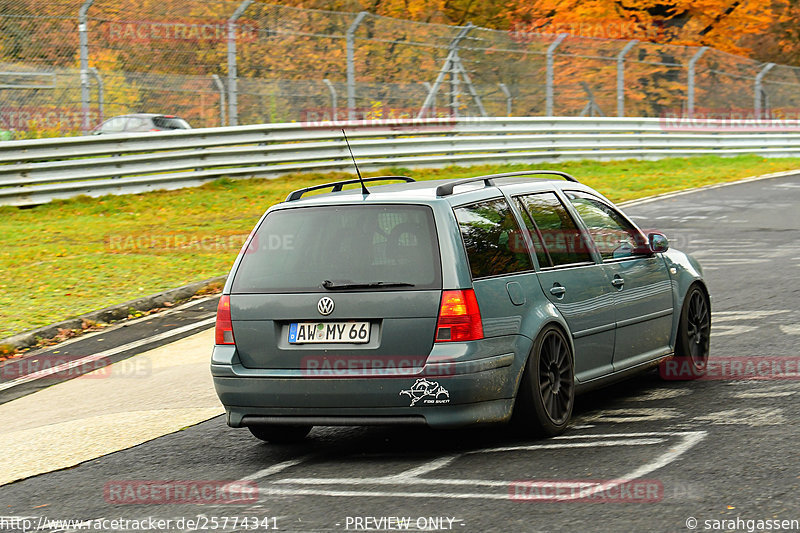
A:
438, 395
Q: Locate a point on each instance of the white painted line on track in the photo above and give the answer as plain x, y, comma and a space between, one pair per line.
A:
411, 477
107, 353
668, 195
275, 469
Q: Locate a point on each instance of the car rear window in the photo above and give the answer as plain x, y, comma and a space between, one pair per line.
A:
297, 250
170, 123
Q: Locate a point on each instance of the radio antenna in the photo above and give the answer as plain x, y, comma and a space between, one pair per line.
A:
364, 189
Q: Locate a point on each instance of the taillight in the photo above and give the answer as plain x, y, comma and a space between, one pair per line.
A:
224, 332
459, 317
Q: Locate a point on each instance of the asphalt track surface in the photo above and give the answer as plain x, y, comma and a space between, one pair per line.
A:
710, 455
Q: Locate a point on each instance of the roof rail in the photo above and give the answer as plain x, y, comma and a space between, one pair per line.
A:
447, 188
336, 186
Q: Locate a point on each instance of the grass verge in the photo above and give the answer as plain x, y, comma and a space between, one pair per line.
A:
66, 258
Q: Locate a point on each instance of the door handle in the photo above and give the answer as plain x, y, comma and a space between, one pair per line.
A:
618, 282
558, 290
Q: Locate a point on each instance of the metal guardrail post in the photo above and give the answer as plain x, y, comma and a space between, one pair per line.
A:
621, 77
222, 104
100, 93
690, 98
332, 89
233, 94
351, 69
508, 98
83, 35
759, 91
549, 75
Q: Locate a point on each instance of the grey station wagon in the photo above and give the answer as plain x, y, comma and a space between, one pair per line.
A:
447, 303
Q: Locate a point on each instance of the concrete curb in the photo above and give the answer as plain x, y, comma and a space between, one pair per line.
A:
111, 313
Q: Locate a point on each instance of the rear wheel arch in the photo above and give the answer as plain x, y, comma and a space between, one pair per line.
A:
553, 321
533, 406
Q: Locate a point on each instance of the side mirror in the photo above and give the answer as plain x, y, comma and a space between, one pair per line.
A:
658, 242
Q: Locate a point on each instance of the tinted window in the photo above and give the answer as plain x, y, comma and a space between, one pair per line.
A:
555, 231
494, 242
615, 237
298, 249
541, 254
170, 123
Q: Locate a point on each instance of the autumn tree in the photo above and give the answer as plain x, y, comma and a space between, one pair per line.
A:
719, 24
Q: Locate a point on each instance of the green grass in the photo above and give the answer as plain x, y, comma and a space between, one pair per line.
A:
70, 257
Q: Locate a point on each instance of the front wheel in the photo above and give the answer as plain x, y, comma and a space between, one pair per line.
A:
279, 434
547, 392
694, 332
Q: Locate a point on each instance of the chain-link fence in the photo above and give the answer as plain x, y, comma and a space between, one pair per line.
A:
65, 65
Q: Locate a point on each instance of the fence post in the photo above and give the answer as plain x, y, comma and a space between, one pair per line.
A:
549, 79
100, 93
83, 35
221, 89
449, 67
621, 77
428, 87
758, 90
692, 63
233, 94
351, 69
508, 98
332, 89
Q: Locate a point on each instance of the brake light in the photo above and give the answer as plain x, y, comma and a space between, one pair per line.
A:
224, 330
459, 317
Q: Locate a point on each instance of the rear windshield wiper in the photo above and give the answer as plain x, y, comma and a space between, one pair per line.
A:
331, 286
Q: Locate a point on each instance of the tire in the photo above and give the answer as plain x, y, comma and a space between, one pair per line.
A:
694, 334
279, 434
547, 392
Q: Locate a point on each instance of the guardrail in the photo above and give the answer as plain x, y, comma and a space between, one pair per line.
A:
38, 171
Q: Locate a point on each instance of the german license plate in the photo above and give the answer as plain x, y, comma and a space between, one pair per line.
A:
328, 332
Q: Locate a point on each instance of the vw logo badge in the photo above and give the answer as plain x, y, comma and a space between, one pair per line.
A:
325, 306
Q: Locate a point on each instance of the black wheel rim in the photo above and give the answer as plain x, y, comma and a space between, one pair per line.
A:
555, 377
698, 328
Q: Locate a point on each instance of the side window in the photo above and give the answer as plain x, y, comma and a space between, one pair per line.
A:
136, 124
615, 237
555, 230
541, 253
494, 242
114, 125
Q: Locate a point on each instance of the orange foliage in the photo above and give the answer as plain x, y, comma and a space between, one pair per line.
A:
718, 24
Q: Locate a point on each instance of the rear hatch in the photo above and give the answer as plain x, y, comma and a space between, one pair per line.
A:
338, 289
